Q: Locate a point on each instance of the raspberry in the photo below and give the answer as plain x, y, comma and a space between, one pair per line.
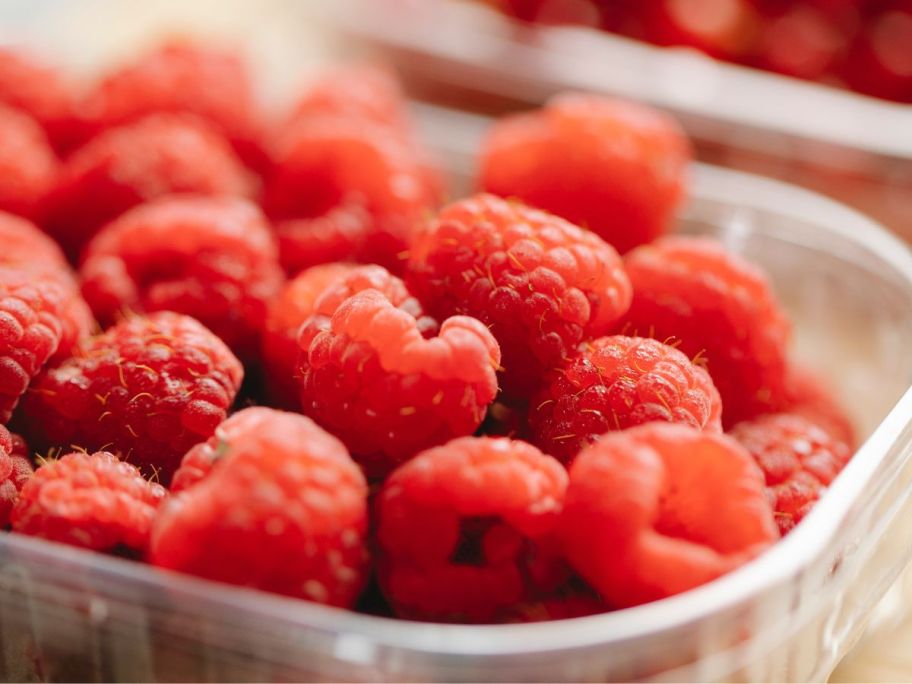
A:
15, 471
370, 377
126, 166
463, 529
563, 606
809, 396
661, 508
27, 164
294, 304
614, 383
181, 76
283, 509
798, 458
213, 258
541, 284
345, 189
615, 167
720, 307
41, 92
95, 501
149, 388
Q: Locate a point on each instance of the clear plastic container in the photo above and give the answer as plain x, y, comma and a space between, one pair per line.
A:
66, 614
461, 53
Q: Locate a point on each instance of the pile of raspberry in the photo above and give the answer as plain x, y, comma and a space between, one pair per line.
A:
255, 348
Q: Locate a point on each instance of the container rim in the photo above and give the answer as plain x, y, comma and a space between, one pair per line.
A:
361, 634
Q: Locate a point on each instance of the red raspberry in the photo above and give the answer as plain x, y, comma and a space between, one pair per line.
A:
27, 164
366, 91
284, 509
720, 307
798, 458
541, 284
126, 166
94, 501
614, 383
15, 471
181, 76
294, 304
149, 387
809, 396
41, 92
213, 258
345, 189
370, 377
615, 167
661, 508
463, 529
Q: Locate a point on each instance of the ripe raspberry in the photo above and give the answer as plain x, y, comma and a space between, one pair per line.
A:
41, 92
27, 164
661, 508
15, 471
294, 304
463, 529
213, 258
798, 458
181, 76
615, 167
345, 189
132, 164
720, 307
149, 387
370, 377
27, 248
614, 383
541, 284
283, 509
366, 91
809, 396
94, 501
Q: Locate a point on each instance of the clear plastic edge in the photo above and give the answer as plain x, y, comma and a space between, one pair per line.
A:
785, 560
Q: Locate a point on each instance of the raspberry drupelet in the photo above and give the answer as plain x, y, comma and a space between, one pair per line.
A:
213, 258
661, 508
722, 310
370, 375
345, 189
134, 163
148, 388
809, 395
28, 165
278, 506
15, 471
464, 530
799, 459
287, 311
617, 168
613, 383
210, 82
94, 501
541, 284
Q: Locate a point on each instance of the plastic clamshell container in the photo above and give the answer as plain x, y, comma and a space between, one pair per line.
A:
71, 615
460, 52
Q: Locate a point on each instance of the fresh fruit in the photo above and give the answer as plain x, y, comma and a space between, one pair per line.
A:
148, 388
799, 459
613, 383
27, 164
134, 163
283, 509
541, 284
723, 311
213, 258
661, 508
15, 471
463, 529
809, 395
614, 167
95, 501
370, 377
